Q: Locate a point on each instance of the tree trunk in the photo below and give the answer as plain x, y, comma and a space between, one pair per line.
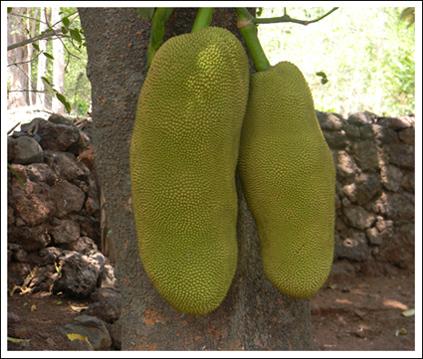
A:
254, 315
18, 79
58, 63
42, 62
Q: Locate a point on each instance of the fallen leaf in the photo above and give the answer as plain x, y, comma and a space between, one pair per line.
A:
78, 309
76, 336
58, 302
33, 308
401, 331
18, 340
408, 313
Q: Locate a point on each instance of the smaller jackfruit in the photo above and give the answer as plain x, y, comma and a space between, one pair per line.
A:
288, 177
183, 156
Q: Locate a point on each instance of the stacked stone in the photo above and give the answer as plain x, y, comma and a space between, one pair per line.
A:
374, 159
54, 211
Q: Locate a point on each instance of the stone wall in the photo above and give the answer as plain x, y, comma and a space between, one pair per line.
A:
374, 159
54, 209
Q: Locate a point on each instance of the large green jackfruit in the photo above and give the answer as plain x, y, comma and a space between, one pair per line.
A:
183, 156
289, 180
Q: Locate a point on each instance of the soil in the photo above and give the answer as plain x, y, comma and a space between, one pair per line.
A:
350, 313
365, 313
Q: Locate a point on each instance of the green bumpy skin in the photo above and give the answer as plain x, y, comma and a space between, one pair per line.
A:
183, 156
288, 177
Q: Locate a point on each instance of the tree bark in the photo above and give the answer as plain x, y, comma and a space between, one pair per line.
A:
254, 314
58, 63
42, 62
18, 74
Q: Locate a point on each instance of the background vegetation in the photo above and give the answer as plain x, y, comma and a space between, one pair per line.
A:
367, 55
355, 59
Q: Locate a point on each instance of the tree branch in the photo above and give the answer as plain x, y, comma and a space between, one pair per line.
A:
27, 17
287, 18
42, 36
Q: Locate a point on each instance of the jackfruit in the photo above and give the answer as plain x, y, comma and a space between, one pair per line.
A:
183, 156
288, 176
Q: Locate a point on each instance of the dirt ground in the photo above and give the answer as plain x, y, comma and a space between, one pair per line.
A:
365, 313
358, 313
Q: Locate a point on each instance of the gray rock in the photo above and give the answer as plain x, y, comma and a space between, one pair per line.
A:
401, 155
391, 177
408, 181
396, 206
345, 165
385, 135
16, 273
336, 140
92, 206
64, 231
345, 202
41, 172
32, 202
57, 137
46, 256
107, 304
396, 123
374, 236
67, 197
365, 187
383, 224
65, 165
358, 217
329, 121
83, 245
30, 238
353, 246
90, 226
79, 274
365, 153
352, 131
18, 253
10, 216
115, 331
24, 150
107, 276
42, 278
92, 328
60, 120
366, 132
407, 135
361, 118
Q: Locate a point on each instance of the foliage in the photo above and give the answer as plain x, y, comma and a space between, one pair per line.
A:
76, 96
355, 59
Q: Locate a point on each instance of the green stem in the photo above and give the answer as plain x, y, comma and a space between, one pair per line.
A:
248, 30
203, 18
158, 29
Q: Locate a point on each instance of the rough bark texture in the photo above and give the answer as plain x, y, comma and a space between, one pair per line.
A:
254, 315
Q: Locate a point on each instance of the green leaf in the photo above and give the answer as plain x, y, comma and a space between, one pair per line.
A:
64, 30
35, 46
65, 102
75, 35
65, 21
45, 79
259, 11
145, 13
408, 15
9, 10
49, 56
323, 77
